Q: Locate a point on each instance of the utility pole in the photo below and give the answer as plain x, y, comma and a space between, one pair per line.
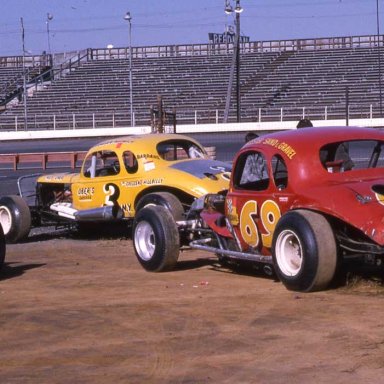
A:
235, 63
379, 56
238, 99
49, 18
347, 106
128, 18
24, 77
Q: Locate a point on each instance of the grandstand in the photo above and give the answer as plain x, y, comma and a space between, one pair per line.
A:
286, 79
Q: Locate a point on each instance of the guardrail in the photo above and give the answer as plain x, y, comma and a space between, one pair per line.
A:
42, 160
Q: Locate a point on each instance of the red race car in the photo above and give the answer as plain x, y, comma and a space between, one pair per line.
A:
298, 202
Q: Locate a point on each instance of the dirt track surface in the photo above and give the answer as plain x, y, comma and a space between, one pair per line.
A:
78, 311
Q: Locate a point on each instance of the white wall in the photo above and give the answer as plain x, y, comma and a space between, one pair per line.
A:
185, 129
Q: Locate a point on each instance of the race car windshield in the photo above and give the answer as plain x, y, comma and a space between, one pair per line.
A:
172, 150
352, 155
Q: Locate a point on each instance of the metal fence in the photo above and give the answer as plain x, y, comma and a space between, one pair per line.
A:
95, 120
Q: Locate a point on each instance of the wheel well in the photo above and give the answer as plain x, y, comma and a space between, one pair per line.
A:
185, 198
347, 235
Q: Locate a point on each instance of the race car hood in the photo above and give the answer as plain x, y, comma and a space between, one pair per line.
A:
59, 178
202, 168
199, 177
359, 203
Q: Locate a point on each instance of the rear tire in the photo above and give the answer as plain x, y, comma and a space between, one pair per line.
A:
2, 247
164, 199
156, 239
304, 251
15, 218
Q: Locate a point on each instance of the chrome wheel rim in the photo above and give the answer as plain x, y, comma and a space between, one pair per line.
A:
5, 219
145, 243
289, 253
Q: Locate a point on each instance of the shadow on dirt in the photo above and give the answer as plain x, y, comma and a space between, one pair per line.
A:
352, 275
9, 271
46, 236
185, 265
246, 268
91, 232
94, 231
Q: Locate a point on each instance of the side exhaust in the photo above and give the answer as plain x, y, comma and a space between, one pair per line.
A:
105, 213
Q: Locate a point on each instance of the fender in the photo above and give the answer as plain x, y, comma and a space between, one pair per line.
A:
216, 221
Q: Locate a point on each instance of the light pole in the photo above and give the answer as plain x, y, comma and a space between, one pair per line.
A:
379, 57
49, 18
24, 77
238, 10
235, 62
128, 18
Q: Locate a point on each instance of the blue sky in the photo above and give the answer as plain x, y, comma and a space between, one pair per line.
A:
79, 24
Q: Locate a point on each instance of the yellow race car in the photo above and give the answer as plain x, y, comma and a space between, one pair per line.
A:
118, 177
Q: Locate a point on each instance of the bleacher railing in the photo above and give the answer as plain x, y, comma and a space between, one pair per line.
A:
65, 121
40, 63
321, 43
367, 41
62, 69
30, 61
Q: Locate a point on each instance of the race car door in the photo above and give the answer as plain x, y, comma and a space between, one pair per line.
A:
253, 203
99, 182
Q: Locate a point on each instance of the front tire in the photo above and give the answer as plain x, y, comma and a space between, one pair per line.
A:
164, 199
15, 218
156, 239
304, 251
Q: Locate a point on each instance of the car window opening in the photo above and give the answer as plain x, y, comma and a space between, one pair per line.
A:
101, 163
252, 172
178, 150
280, 172
352, 155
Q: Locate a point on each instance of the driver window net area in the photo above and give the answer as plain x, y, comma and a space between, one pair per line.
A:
251, 172
351, 155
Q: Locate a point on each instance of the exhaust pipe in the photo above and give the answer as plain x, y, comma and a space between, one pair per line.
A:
268, 270
105, 213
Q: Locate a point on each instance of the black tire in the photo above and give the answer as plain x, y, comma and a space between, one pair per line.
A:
2, 247
304, 251
156, 239
164, 199
15, 218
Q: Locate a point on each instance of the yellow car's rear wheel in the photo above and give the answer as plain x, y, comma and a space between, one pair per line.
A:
15, 218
